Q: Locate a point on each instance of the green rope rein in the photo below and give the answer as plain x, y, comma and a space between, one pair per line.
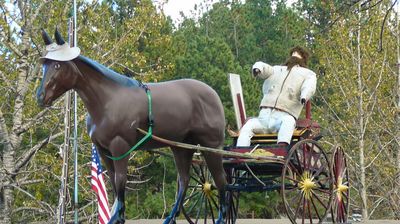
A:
145, 138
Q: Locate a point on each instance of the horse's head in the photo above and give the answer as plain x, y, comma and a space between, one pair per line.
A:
59, 71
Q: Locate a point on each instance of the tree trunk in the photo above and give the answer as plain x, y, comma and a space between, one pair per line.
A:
7, 193
360, 134
397, 118
14, 139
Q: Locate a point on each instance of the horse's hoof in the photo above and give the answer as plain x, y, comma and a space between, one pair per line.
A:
169, 220
220, 221
115, 220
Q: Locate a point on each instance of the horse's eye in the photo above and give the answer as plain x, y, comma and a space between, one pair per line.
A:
57, 66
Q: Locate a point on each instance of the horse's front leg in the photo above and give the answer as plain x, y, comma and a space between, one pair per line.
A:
117, 147
111, 171
183, 159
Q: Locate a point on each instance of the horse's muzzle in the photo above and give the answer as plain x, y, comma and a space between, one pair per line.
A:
40, 99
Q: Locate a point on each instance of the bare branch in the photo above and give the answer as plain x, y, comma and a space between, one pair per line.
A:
36, 119
138, 181
28, 182
146, 165
44, 205
26, 157
31, 209
376, 156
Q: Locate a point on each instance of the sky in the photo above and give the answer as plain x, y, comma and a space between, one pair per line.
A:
173, 7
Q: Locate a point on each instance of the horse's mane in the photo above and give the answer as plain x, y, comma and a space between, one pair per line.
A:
109, 73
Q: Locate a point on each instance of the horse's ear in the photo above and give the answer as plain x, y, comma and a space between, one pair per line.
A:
59, 39
46, 38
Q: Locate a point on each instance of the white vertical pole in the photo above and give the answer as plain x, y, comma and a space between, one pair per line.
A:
75, 44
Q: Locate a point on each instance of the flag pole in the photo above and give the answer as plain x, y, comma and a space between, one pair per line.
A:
75, 44
64, 154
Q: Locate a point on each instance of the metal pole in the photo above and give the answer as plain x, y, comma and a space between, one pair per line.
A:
75, 126
64, 173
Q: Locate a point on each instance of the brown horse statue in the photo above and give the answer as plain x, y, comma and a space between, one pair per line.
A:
184, 110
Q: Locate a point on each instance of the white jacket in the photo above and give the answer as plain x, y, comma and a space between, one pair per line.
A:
283, 89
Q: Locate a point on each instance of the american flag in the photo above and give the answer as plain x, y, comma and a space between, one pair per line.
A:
99, 187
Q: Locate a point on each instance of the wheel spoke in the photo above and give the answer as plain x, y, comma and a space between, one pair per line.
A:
310, 156
203, 175
343, 172
212, 199
296, 198
195, 169
309, 210
298, 161
294, 180
315, 208
205, 209
294, 168
195, 204
341, 211
197, 180
325, 191
319, 200
319, 171
298, 207
294, 188
195, 187
345, 196
211, 210
191, 196
304, 210
201, 207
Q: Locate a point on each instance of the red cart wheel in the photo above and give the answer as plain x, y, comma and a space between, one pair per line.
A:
341, 201
307, 183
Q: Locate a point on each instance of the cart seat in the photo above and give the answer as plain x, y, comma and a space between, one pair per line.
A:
304, 128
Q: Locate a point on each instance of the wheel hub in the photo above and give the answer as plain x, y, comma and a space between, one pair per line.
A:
207, 188
307, 185
341, 188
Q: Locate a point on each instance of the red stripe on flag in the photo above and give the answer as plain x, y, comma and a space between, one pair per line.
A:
99, 188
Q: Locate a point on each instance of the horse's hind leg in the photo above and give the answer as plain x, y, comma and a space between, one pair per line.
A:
214, 164
183, 160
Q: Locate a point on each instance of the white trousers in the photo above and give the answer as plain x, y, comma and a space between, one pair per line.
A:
268, 121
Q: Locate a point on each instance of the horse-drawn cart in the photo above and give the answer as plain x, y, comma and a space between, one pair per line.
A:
312, 183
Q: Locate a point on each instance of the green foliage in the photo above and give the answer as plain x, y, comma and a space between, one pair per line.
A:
267, 205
